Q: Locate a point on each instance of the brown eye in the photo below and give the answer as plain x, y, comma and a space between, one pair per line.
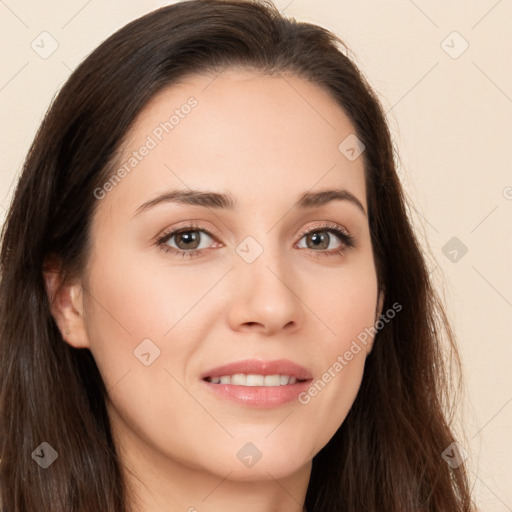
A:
318, 239
189, 240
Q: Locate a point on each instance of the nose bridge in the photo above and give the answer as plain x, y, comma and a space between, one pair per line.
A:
259, 255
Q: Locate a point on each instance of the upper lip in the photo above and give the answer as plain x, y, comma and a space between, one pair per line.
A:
259, 367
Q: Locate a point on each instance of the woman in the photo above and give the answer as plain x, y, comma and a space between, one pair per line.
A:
211, 292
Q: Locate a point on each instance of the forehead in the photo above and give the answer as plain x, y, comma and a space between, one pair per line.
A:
261, 137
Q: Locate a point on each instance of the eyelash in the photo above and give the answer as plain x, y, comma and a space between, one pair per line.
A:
346, 239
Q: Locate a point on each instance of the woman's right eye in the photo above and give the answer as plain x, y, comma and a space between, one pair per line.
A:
188, 237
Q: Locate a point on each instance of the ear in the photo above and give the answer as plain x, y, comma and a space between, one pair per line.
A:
66, 305
378, 313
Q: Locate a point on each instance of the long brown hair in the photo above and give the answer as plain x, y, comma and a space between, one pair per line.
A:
386, 456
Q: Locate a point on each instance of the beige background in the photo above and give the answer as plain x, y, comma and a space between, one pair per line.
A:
450, 114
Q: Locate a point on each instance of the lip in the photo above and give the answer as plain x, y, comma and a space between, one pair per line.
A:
262, 397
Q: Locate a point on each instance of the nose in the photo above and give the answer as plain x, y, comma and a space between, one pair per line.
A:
266, 296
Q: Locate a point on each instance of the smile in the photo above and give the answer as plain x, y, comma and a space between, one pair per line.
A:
251, 379
258, 384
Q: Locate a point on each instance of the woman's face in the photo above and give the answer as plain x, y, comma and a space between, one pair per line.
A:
241, 282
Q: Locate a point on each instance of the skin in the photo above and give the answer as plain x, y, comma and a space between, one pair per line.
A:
266, 140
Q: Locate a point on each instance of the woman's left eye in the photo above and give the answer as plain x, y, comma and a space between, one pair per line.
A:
322, 237
188, 240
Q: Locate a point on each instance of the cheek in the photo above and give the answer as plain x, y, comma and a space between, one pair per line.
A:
346, 305
137, 298
347, 310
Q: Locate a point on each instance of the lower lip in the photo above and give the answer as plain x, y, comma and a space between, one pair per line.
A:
264, 397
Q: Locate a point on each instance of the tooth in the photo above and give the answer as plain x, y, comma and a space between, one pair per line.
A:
255, 380
272, 380
239, 379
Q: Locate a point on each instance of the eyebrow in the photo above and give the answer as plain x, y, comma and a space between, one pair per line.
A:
218, 200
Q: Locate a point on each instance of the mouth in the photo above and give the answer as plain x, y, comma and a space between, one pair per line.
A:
252, 379
256, 383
